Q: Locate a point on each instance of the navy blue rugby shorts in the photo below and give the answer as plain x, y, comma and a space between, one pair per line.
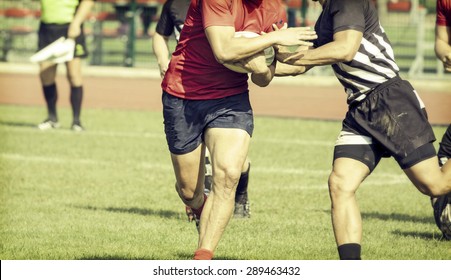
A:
185, 121
390, 121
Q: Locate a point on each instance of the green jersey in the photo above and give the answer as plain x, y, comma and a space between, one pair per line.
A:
58, 11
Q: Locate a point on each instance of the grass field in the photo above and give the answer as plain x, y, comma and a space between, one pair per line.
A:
108, 193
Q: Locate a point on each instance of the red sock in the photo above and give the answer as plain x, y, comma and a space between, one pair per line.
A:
203, 254
198, 211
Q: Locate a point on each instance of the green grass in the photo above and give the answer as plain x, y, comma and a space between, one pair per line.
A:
108, 194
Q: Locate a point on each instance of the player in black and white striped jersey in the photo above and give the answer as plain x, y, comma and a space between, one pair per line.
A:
386, 117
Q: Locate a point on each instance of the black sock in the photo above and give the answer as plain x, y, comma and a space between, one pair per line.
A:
51, 96
76, 96
241, 189
350, 251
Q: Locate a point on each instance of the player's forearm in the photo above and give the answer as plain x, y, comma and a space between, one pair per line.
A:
442, 42
83, 11
283, 70
160, 49
245, 47
442, 49
240, 48
229, 49
263, 79
328, 54
344, 47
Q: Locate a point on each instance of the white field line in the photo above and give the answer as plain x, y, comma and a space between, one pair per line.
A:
383, 179
161, 135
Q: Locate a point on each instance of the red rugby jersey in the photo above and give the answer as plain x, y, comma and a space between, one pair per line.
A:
444, 12
193, 72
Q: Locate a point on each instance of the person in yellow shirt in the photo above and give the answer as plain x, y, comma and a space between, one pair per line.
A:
63, 19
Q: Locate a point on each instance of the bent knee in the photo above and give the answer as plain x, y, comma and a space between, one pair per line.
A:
340, 186
187, 192
434, 190
226, 179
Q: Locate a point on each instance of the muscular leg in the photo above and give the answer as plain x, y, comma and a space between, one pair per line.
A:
228, 148
344, 180
435, 182
429, 178
189, 173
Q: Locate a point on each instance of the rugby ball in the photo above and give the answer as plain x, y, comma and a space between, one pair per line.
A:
268, 52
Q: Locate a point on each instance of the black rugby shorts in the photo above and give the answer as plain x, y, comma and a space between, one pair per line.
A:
390, 121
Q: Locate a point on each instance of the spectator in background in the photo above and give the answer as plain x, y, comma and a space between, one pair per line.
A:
63, 19
171, 22
443, 52
146, 14
292, 6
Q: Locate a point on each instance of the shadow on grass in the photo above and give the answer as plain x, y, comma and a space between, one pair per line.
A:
398, 217
179, 255
185, 256
113, 257
419, 235
134, 210
18, 124
395, 217
406, 218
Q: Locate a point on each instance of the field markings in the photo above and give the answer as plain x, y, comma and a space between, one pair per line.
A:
160, 135
375, 180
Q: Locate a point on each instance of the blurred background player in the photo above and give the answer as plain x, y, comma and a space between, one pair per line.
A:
292, 6
386, 117
171, 22
63, 19
443, 52
146, 14
206, 105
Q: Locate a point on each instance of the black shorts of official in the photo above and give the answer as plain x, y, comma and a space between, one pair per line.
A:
185, 121
444, 152
390, 121
49, 32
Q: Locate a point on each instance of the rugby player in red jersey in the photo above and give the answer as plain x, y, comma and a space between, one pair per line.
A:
207, 105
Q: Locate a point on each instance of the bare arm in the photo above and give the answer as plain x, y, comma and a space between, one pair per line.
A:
82, 13
343, 48
227, 48
283, 70
161, 50
443, 45
263, 79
